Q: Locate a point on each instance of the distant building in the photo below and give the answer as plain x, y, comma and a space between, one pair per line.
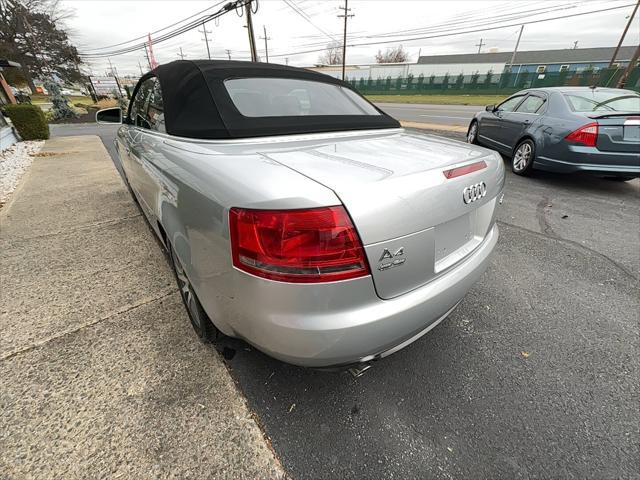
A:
538, 61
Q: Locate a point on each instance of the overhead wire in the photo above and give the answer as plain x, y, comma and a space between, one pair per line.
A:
483, 29
185, 28
159, 30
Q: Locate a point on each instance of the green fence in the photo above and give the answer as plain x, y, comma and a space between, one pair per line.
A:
490, 83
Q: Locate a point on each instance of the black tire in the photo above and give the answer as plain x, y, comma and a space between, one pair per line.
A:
523, 157
200, 321
472, 133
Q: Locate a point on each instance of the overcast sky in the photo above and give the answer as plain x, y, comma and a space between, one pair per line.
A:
101, 23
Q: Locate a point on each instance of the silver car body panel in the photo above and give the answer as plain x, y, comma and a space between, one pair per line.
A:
392, 184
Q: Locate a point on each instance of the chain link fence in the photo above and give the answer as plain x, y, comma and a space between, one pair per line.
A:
490, 83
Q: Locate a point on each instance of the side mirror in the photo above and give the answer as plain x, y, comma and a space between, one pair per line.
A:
109, 115
490, 108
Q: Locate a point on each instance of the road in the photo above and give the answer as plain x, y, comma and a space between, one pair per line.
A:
535, 375
459, 115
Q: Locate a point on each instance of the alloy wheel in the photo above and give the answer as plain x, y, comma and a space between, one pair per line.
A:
471, 135
522, 157
187, 294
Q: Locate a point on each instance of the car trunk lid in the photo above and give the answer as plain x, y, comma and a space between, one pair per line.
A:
618, 132
415, 222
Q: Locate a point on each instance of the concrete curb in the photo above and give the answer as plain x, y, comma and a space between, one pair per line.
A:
434, 126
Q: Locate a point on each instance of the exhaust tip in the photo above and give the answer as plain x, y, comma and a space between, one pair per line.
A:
359, 370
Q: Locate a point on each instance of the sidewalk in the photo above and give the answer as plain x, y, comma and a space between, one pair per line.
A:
101, 373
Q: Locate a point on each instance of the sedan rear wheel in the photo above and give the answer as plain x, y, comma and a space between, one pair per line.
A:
472, 134
201, 323
523, 158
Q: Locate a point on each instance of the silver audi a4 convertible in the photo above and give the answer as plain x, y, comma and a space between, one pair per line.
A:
300, 217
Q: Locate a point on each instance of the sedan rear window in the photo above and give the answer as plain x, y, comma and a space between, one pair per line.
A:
286, 97
604, 101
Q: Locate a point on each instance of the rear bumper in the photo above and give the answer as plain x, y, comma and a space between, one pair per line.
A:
592, 160
342, 323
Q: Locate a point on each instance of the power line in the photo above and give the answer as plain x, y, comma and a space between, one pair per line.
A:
307, 19
476, 30
447, 26
159, 30
237, 4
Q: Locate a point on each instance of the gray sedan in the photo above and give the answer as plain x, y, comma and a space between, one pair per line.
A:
565, 129
298, 216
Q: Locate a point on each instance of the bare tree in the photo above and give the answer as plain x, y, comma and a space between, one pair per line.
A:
31, 33
393, 55
332, 55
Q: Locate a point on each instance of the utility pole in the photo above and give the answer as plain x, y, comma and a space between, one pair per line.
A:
146, 54
111, 67
252, 38
286, 61
627, 71
624, 34
479, 45
140, 66
206, 39
228, 53
346, 16
515, 50
181, 55
575, 44
266, 48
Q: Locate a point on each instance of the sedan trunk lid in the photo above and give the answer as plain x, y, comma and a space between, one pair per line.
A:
618, 133
415, 222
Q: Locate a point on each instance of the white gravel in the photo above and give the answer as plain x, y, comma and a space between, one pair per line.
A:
14, 161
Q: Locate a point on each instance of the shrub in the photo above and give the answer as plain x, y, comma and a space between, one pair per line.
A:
29, 120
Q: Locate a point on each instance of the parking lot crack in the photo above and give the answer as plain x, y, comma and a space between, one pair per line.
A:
554, 237
541, 215
121, 311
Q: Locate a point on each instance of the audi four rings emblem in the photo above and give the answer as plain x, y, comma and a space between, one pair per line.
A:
474, 192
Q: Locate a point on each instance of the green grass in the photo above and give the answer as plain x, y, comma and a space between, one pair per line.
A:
38, 98
439, 99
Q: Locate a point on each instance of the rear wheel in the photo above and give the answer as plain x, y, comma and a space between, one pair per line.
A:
523, 157
472, 133
200, 321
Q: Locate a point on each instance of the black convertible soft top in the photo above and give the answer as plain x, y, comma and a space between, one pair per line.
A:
197, 104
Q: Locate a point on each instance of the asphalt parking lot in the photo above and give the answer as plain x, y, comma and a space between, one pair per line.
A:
535, 375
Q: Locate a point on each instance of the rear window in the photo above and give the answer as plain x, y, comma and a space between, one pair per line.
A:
600, 101
286, 97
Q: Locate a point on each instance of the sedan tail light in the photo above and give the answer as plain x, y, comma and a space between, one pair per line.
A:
300, 246
587, 135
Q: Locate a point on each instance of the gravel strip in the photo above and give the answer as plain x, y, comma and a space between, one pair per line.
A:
14, 161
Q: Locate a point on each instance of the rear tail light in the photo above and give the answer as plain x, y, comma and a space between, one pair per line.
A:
587, 135
300, 246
